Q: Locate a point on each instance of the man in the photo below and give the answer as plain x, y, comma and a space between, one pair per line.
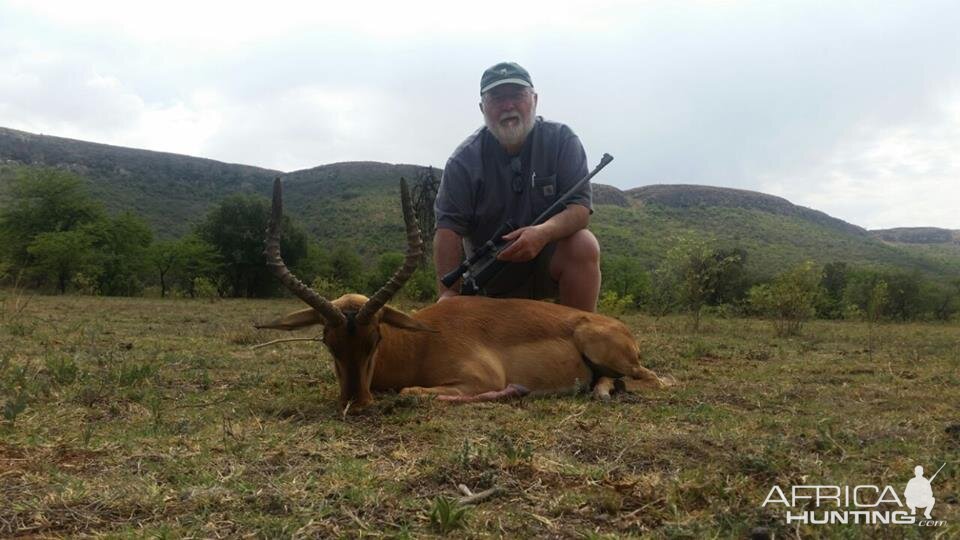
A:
513, 168
919, 494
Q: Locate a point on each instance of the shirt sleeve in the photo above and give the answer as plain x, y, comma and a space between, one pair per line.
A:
571, 168
454, 204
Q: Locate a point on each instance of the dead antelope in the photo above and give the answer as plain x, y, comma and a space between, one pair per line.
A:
466, 348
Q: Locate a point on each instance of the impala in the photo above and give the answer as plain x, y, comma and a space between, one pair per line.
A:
466, 348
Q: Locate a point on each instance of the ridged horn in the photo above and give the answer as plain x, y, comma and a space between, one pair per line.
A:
330, 313
414, 251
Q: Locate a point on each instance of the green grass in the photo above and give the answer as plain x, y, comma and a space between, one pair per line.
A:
153, 418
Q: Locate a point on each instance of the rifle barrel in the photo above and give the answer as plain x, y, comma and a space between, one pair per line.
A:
936, 473
548, 213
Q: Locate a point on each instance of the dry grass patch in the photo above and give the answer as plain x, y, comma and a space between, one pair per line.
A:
138, 417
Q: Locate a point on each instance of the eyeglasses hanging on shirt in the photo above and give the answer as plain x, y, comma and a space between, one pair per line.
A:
517, 167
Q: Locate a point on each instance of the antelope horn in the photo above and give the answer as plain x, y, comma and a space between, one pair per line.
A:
414, 251
330, 313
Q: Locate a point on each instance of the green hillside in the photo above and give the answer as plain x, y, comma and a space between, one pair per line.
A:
918, 235
357, 204
929, 243
775, 233
170, 191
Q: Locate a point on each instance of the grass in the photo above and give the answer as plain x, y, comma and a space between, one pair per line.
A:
140, 417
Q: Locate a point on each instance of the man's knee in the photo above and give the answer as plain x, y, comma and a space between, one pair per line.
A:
579, 247
578, 251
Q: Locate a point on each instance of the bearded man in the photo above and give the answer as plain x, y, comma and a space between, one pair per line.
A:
513, 169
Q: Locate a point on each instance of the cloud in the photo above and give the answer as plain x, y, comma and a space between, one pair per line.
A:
50, 90
890, 175
303, 126
832, 106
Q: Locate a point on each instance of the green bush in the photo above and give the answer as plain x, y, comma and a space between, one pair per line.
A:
204, 288
790, 299
613, 304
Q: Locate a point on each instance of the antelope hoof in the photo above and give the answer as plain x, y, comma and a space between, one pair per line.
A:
602, 389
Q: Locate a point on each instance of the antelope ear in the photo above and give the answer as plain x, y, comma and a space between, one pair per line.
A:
401, 320
292, 321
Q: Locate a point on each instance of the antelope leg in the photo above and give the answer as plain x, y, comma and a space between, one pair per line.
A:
634, 384
511, 391
602, 389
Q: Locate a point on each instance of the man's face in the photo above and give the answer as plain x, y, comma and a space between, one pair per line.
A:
509, 111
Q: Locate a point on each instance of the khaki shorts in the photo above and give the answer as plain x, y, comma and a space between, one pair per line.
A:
526, 280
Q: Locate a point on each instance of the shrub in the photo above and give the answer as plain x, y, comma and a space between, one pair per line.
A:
204, 288
422, 285
790, 299
328, 287
612, 303
447, 515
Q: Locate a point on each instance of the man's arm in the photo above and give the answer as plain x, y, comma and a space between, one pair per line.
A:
529, 241
447, 256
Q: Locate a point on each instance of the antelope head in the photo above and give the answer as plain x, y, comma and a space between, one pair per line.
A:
351, 323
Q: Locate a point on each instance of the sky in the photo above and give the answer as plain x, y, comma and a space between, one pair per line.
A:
848, 107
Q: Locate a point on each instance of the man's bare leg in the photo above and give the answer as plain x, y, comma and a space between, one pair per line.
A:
575, 266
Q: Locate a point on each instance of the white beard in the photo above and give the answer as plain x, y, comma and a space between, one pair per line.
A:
514, 134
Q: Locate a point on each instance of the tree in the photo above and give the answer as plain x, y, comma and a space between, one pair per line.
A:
346, 267
387, 264
730, 281
162, 258
693, 274
59, 256
945, 302
790, 299
876, 303
180, 262
121, 245
625, 278
834, 282
903, 296
235, 228
43, 200
198, 260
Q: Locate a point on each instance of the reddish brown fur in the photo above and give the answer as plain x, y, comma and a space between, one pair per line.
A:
466, 347
469, 345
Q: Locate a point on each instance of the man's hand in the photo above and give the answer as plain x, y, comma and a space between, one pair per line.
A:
527, 244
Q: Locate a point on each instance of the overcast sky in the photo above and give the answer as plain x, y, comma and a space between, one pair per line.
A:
852, 108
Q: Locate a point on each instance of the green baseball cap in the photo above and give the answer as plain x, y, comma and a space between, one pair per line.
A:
504, 73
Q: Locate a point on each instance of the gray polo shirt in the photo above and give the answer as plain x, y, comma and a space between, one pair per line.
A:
482, 186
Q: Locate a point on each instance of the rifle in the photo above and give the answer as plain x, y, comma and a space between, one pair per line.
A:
936, 473
483, 265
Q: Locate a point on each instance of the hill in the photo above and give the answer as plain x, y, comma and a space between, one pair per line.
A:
691, 197
171, 191
357, 203
917, 235
930, 243
775, 233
